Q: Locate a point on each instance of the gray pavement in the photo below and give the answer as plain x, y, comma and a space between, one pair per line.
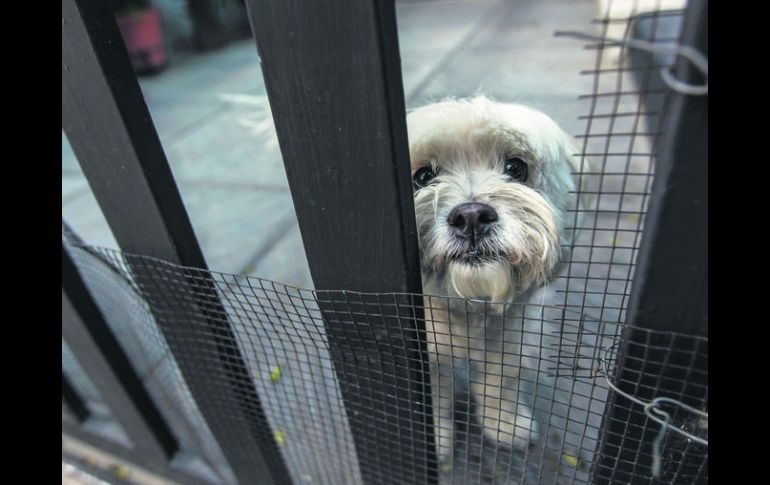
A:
213, 119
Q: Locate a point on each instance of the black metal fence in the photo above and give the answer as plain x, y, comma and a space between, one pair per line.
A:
205, 377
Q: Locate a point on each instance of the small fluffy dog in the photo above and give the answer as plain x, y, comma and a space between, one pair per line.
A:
494, 185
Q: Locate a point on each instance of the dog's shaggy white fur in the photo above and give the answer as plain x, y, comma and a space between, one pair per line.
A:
460, 150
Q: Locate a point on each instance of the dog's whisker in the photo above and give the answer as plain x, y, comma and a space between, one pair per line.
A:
435, 204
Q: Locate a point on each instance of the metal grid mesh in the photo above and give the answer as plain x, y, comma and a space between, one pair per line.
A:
545, 356
656, 365
131, 320
625, 119
280, 332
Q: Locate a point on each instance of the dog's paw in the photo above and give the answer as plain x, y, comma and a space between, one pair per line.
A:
517, 429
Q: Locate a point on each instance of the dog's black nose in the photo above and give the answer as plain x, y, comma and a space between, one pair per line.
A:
472, 220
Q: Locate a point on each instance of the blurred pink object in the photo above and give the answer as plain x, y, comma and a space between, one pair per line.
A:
143, 35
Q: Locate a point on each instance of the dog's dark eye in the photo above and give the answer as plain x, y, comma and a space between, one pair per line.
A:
422, 176
516, 168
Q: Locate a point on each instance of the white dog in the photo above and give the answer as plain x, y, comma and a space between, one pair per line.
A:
494, 190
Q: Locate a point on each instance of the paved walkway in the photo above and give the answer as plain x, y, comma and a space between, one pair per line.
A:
212, 116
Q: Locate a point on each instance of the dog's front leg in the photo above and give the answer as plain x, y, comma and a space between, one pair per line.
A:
442, 386
441, 382
446, 347
495, 387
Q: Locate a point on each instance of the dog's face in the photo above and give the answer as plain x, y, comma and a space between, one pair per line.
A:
493, 192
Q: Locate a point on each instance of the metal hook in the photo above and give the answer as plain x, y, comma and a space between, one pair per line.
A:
653, 407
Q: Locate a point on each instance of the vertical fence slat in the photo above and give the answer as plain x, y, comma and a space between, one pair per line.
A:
670, 291
105, 362
109, 127
333, 77
72, 404
78, 439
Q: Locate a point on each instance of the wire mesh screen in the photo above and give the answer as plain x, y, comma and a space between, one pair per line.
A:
626, 112
519, 392
502, 384
668, 374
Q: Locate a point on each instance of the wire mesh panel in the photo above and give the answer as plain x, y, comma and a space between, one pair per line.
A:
665, 415
626, 116
505, 380
309, 410
133, 325
629, 110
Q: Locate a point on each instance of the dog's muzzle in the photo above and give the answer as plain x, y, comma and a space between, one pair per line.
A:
472, 223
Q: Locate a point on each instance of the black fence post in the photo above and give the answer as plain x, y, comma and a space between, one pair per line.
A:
333, 77
670, 294
102, 358
112, 134
73, 405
